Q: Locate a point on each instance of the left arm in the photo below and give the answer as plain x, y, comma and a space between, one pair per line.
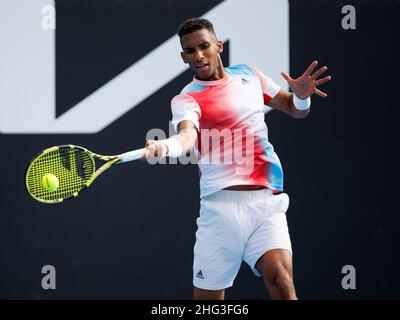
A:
303, 87
283, 101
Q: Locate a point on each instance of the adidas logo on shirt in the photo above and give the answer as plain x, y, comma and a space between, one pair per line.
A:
244, 81
200, 275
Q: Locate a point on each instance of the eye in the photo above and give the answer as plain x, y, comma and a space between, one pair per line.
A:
188, 50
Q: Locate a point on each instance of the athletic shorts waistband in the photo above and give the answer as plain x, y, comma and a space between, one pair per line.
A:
238, 196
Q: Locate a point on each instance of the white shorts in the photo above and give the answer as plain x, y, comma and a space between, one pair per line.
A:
235, 226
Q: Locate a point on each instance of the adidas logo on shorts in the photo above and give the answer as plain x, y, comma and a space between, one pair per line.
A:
200, 275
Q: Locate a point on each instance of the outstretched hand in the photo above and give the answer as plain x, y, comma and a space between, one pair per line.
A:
306, 85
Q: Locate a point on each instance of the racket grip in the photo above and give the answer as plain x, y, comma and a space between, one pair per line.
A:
133, 155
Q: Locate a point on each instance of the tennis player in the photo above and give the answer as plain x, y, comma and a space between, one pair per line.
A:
242, 208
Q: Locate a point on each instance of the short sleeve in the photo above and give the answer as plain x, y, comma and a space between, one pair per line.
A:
185, 107
269, 87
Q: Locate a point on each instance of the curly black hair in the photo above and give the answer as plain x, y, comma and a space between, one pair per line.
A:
194, 24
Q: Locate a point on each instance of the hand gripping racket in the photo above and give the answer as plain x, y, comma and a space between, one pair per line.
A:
74, 169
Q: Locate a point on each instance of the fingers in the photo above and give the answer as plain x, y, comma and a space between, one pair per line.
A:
155, 149
287, 77
310, 68
317, 73
149, 151
152, 148
320, 93
323, 80
148, 143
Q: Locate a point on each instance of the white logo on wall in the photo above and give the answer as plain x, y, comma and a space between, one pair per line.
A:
27, 82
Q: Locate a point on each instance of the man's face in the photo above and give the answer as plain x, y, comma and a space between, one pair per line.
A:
201, 51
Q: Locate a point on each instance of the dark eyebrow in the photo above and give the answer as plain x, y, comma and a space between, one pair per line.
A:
201, 44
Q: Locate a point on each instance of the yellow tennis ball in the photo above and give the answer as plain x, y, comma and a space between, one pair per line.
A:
50, 182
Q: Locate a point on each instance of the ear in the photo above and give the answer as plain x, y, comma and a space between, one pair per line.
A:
183, 57
220, 46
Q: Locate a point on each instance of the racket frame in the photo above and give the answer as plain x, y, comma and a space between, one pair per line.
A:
110, 161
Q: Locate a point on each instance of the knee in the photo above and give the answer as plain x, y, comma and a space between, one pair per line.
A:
282, 284
282, 281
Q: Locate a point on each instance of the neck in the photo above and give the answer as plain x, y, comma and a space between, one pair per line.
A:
220, 72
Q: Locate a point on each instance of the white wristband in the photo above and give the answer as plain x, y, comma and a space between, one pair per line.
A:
174, 147
301, 104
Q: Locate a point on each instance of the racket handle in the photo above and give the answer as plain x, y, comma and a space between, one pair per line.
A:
133, 155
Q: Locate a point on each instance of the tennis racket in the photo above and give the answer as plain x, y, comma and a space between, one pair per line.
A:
74, 169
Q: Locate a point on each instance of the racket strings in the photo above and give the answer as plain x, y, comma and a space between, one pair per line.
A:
72, 166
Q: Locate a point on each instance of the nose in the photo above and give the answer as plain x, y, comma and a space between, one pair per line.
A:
199, 55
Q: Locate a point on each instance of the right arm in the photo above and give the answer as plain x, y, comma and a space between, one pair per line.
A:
186, 136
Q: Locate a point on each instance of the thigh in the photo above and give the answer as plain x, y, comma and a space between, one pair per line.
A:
272, 233
275, 262
218, 249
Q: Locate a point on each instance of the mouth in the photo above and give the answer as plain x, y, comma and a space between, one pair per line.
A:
201, 67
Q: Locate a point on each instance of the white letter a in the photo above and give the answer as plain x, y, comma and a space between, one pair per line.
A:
349, 281
49, 280
349, 20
